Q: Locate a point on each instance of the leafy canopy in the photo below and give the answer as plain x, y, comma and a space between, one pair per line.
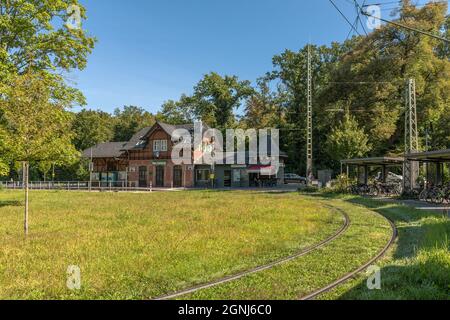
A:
35, 126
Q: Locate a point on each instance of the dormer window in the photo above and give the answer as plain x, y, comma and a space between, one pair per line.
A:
160, 146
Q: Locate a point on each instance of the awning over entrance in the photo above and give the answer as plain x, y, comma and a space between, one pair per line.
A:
263, 170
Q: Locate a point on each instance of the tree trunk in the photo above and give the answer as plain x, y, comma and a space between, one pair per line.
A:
26, 167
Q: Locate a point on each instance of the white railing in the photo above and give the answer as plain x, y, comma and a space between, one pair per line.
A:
77, 185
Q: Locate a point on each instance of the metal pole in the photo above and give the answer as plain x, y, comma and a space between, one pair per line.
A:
309, 138
411, 168
91, 169
25, 169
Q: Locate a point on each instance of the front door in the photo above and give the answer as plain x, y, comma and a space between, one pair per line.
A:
177, 177
142, 177
159, 176
227, 179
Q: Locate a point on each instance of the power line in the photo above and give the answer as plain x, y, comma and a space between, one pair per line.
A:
358, 8
343, 15
406, 27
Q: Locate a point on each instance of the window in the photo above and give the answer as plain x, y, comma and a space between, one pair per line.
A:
202, 175
160, 146
164, 145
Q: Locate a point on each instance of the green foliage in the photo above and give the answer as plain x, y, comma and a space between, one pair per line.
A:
42, 42
347, 141
262, 108
216, 98
378, 67
129, 121
91, 128
34, 127
177, 112
340, 184
34, 36
4, 168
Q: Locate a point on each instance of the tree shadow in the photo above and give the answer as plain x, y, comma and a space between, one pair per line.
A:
421, 261
15, 203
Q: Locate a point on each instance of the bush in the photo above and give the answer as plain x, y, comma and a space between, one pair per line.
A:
340, 184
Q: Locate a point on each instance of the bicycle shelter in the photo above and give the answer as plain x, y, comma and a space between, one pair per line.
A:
363, 166
434, 161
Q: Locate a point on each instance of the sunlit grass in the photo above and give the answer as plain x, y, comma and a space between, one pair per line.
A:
367, 235
418, 267
138, 246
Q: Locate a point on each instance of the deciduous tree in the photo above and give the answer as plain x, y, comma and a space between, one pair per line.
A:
35, 125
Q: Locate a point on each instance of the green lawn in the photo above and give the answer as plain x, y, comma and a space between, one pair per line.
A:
138, 246
418, 267
367, 235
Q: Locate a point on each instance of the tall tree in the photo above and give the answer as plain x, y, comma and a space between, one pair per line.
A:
216, 98
371, 78
178, 112
347, 141
35, 126
130, 120
290, 71
38, 35
262, 108
92, 127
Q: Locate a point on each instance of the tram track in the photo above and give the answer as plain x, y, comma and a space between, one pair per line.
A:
268, 266
302, 253
352, 274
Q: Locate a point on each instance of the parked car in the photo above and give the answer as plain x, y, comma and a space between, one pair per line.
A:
294, 178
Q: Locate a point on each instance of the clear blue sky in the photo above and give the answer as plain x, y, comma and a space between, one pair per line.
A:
149, 51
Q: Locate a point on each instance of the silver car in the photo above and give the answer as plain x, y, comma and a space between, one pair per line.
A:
294, 178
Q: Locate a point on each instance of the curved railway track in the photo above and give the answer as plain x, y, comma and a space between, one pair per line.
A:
271, 265
302, 253
352, 274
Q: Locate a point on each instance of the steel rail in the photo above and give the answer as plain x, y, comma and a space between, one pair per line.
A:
268, 266
352, 274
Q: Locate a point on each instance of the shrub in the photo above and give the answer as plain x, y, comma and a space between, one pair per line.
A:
340, 184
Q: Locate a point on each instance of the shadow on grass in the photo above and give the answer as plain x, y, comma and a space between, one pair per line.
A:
420, 268
10, 204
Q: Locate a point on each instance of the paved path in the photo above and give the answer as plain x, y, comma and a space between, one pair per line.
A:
420, 205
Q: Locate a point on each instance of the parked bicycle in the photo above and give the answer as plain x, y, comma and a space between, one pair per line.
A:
436, 194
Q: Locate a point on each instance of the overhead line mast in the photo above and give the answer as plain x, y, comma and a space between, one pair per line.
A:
411, 168
309, 138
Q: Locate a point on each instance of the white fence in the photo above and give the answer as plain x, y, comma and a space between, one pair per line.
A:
77, 186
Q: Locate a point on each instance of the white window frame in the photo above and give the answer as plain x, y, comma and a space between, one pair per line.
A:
160, 146
164, 146
156, 145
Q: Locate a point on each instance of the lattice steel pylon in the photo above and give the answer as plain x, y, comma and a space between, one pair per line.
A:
411, 168
309, 138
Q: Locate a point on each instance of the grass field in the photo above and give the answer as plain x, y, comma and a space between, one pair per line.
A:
367, 235
418, 267
138, 246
